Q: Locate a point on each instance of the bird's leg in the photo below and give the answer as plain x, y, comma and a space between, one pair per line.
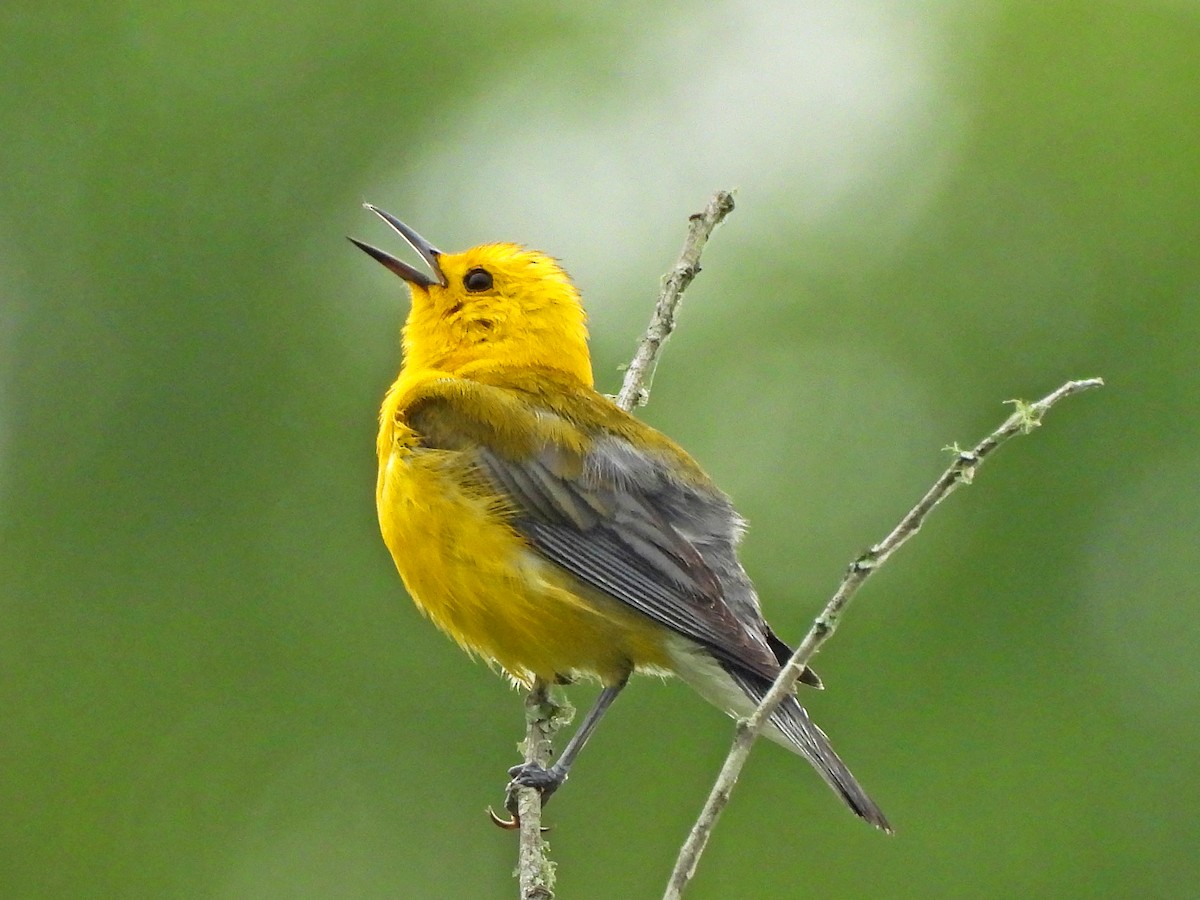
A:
547, 781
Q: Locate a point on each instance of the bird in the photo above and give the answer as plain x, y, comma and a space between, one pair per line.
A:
547, 530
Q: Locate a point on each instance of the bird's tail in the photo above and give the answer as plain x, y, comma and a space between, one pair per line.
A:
791, 727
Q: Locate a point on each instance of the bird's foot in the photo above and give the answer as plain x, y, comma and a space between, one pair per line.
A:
544, 781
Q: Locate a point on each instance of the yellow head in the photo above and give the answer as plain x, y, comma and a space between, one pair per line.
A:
493, 305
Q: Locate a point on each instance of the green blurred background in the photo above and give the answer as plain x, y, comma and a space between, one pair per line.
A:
211, 682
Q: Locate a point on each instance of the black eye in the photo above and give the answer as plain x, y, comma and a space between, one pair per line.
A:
477, 280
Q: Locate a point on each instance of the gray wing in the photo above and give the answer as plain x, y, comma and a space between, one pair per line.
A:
620, 521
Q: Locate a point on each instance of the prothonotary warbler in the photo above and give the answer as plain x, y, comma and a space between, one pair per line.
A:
547, 530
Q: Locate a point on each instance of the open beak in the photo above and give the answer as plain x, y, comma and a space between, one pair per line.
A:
428, 252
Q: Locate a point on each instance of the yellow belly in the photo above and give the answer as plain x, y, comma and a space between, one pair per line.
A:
482, 584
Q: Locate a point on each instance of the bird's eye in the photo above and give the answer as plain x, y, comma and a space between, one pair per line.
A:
477, 280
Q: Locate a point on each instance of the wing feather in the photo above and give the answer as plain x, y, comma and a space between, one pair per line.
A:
617, 517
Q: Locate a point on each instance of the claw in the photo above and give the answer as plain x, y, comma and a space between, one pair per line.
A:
507, 824
510, 824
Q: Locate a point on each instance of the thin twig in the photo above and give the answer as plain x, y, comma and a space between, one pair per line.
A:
1026, 417
635, 390
544, 715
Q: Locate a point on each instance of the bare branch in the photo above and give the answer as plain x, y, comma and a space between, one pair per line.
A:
966, 462
635, 391
544, 716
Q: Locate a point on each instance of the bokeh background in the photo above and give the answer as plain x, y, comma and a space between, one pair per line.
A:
211, 682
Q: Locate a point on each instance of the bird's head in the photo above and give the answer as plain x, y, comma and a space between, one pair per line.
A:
495, 305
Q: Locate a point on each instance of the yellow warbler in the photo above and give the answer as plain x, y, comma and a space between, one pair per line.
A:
549, 531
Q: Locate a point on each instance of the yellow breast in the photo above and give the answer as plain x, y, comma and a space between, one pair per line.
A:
483, 584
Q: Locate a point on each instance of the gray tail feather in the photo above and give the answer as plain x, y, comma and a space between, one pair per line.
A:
806, 739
